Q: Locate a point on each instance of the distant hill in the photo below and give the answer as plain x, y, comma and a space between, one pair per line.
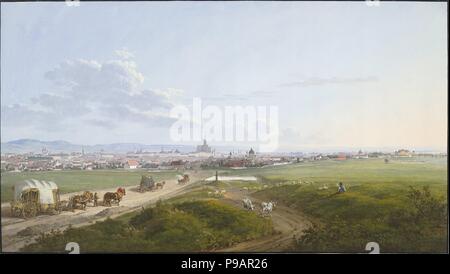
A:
36, 146
31, 145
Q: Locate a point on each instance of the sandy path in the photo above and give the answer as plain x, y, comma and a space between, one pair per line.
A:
286, 221
133, 200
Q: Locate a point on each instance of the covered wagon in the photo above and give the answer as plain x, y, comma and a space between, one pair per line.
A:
147, 184
32, 197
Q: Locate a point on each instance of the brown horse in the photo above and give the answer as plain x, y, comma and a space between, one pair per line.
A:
88, 196
77, 200
160, 185
122, 190
113, 196
183, 180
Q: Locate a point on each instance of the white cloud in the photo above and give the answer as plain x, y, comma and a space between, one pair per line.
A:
124, 54
99, 94
314, 81
91, 78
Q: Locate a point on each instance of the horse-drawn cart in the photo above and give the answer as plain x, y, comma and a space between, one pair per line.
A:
147, 184
32, 197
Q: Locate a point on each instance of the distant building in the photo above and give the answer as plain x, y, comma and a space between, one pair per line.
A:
361, 155
251, 153
341, 157
177, 164
132, 164
403, 153
235, 163
204, 147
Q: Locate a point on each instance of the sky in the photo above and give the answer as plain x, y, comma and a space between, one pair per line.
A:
341, 74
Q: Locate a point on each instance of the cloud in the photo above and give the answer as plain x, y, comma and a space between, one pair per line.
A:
101, 123
124, 54
326, 81
263, 93
91, 79
243, 97
23, 116
273, 92
226, 98
99, 94
62, 106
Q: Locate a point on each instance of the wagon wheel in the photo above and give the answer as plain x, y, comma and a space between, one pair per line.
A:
58, 208
29, 211
16, 211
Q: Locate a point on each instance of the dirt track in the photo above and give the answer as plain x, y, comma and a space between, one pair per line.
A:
286, 221
30, 228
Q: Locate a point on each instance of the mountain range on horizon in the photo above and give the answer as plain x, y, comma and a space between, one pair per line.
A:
36, 146
58, 146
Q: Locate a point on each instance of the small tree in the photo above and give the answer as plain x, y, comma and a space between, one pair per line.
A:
427, 207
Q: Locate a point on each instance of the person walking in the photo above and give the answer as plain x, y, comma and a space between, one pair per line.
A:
95, 199
341, 188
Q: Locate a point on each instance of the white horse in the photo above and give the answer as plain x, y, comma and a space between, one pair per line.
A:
267, 207
247, 203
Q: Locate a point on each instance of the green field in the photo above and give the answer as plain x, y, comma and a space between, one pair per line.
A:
78, 180
401, 204
415, 171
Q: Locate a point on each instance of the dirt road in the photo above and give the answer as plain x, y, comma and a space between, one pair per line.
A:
17, 232
286, 221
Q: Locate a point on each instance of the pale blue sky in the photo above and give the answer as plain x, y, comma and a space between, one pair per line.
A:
342, 74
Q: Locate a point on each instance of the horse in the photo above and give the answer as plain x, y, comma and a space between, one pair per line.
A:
184, 179
121, 190
114, 196
76, 200
88, 196
160, 185
267, 207
247, 203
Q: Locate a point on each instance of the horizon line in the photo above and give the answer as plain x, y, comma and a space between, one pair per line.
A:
329, 148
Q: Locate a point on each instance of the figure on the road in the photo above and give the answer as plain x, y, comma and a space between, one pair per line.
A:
341, 188
95, 199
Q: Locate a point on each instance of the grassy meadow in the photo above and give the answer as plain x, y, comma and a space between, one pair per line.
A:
416, 171
401, 204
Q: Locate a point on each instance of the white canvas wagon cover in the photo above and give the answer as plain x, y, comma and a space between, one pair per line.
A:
45, 190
